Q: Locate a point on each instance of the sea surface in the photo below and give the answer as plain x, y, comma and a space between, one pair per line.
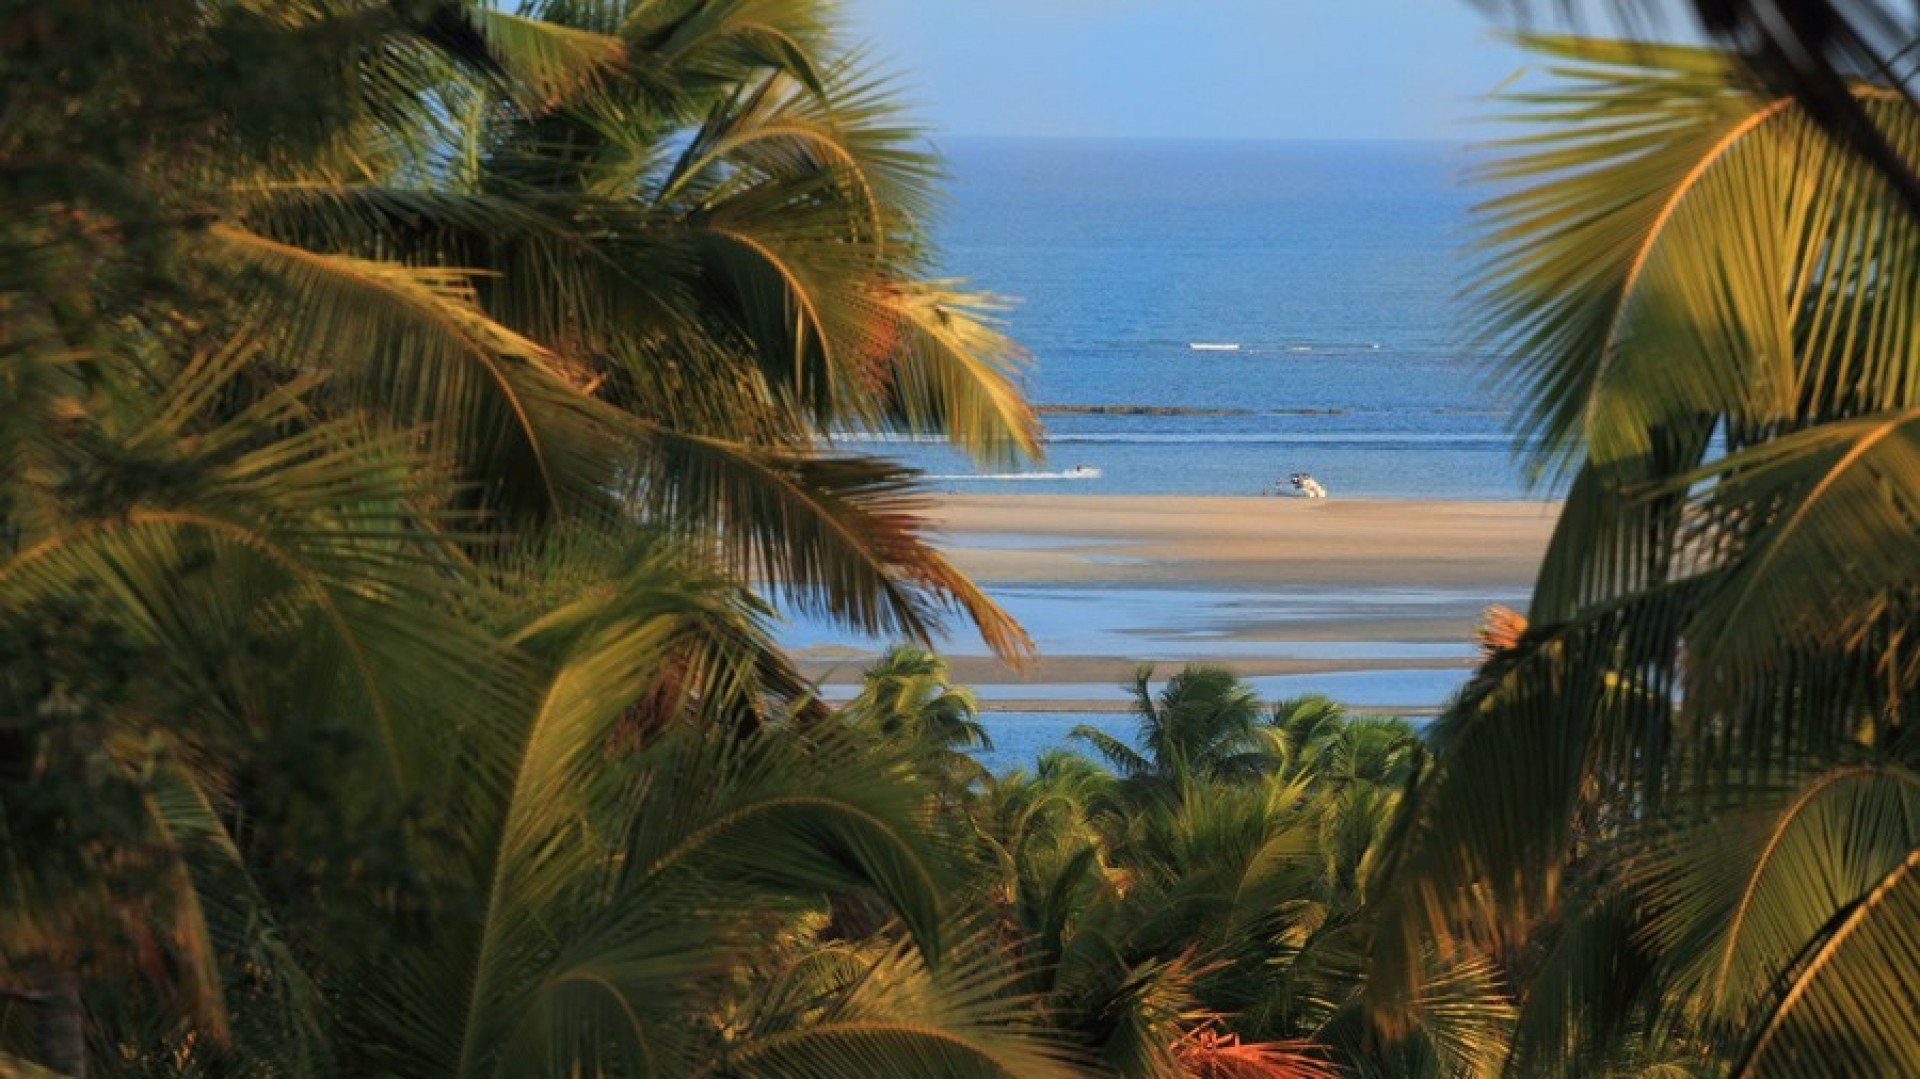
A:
1333, 270
1334, 267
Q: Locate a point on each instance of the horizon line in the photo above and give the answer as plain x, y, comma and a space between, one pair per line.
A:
1104, 137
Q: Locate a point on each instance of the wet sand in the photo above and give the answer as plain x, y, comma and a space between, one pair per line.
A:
1295, 591
1329, 543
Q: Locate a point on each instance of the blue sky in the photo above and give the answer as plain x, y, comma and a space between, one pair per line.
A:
1201, 68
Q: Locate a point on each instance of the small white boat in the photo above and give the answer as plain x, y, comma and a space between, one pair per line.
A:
1213, 346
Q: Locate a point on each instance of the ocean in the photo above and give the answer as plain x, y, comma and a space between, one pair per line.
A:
1333, 267
1333, 270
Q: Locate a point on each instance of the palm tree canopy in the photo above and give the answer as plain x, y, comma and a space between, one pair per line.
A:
407, 408
563, 243
1811, 50
1203, 723
1705, 305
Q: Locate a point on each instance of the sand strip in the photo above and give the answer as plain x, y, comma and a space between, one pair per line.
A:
1281, 542
1388, 573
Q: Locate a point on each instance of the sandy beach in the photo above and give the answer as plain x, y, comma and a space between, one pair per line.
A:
1369, 543
1354, 597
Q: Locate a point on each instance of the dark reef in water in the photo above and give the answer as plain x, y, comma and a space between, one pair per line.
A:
1137, 410
1172, 410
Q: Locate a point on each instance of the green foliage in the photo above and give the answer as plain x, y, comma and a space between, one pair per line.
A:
907, 700
404, 406
568, 247
1203, 725
1209, 890
1682, 799
403, 402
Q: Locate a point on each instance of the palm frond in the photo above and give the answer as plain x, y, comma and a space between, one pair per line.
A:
1654, 156
1735, 899
1840, 544
1846, 1005
1703, 299
554, 61
950, 372
331, 516
1122, 757
419, 345
893, 1015
282, 1011
835, 534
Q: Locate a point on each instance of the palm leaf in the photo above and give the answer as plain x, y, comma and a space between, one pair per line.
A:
328, 515
284, 1013
1736, 899
1846, 1007
1842, 542
1653, 157
895, 1016
836, 534
950, 372
1122, 757
555, 62
414, 341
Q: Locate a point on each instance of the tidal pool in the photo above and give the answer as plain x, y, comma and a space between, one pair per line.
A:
1188, 623
1399, 689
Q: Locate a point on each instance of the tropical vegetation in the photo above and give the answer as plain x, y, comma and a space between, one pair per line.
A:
414, 412
1191, 900
407, 407
1683, 797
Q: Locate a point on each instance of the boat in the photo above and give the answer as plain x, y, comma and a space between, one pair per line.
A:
1213, 346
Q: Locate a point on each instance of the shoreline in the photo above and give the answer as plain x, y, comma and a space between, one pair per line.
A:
1327, 543
1099, 708
1360, 592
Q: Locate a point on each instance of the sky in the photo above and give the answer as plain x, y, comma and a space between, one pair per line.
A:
1325, 69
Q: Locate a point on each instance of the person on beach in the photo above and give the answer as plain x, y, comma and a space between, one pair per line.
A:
1307, 485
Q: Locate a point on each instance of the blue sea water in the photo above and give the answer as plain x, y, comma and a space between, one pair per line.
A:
1336, 269
1334, 266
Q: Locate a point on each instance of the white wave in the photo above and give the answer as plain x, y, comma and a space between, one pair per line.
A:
885, 436
1213, 346
1069, 474
1254, 438
1259, 438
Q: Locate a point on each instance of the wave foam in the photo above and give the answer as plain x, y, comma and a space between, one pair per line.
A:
1069, 474
1265, 438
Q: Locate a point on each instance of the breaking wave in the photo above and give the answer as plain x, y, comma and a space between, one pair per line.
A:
997, 477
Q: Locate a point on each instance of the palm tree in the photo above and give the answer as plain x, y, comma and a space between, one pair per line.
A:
1203, 725
550, 857
198, 593
1203, 921
1809, 50
647, 250
907, 698
1318, 738
323, 318
621, 894
1681, 800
